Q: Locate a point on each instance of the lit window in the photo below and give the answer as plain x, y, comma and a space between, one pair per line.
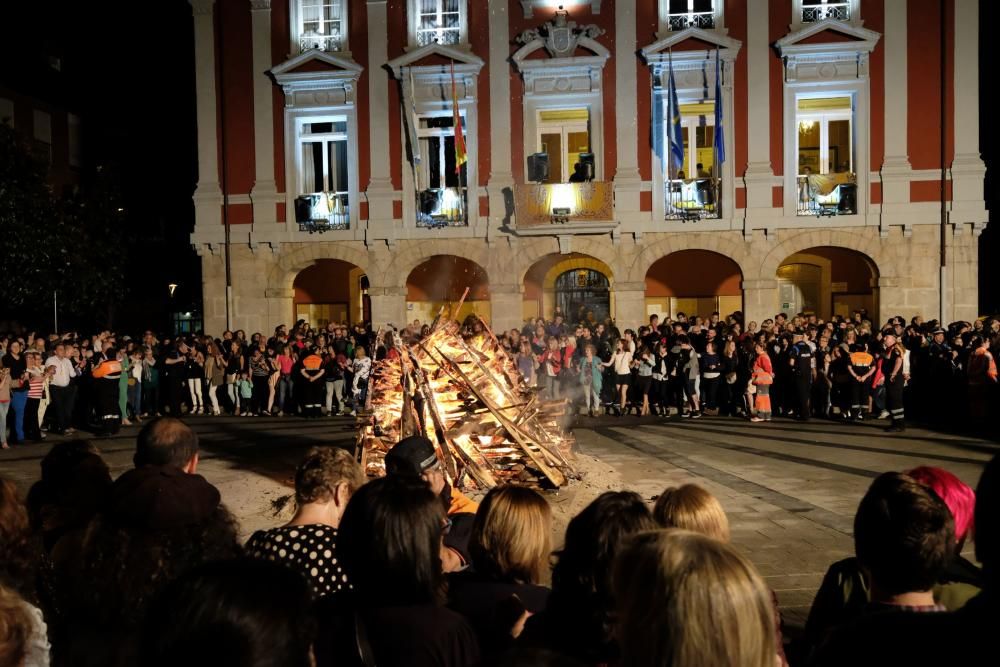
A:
819, 10
681, 14
321, 24
692, 191
437, 21
825, 149
441, 196
324, 169
564, 135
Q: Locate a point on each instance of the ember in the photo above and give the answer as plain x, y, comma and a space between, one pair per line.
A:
468, 397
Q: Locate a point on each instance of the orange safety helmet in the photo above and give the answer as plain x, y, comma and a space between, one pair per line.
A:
108, 367
312, 362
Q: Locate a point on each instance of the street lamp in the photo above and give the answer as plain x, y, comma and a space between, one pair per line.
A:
172, 287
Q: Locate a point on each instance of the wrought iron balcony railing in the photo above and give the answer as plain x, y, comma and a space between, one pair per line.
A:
694, 199
819, 196
427, 36
442, 207
311, 39
322, 212
838, 11
683, 20
537, 204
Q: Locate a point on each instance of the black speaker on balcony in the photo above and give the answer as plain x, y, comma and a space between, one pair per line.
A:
587, 160
538, 167
305, 209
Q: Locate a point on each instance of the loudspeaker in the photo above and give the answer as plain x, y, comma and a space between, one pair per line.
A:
538, 167
588, 160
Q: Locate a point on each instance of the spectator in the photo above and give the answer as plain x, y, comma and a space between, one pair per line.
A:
324, 482
691, 507
167, 441
578, 619
391, 550
706, 602
510, 549
16, 630
237, 613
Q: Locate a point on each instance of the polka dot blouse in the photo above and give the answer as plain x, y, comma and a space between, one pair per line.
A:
309, 549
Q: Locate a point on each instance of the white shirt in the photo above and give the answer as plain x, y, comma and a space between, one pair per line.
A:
622, 361
64, 370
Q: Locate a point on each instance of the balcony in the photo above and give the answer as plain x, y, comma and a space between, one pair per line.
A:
838, 11
443, 36
442, 207
320, 212
689, 200
684, 20
822, 196
310, 39
564, 208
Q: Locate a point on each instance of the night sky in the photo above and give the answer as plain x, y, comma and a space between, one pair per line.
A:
127, 70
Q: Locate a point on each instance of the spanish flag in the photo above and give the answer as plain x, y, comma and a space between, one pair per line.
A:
461, 155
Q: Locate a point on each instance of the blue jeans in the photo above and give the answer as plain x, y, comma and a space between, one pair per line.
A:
284, 392
18, 401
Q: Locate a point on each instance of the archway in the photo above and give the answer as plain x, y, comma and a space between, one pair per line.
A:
828, 281
331, 290
577, 285
694, 282
441, 280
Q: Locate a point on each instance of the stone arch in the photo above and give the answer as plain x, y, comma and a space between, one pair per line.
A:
817, 238
416, 253
531, 254
289, 264
440, 280
708, 241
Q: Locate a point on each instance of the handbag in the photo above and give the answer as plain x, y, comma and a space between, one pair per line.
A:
731, 378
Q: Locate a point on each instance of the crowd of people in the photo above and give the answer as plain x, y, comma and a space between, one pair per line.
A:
798, 367
406, 571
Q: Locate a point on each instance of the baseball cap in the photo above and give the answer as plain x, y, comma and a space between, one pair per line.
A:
411, 456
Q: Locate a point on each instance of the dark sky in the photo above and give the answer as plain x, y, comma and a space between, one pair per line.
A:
127, 70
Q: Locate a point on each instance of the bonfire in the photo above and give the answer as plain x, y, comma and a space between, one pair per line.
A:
467, 396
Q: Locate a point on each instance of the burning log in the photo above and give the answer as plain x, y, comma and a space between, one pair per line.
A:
468, 397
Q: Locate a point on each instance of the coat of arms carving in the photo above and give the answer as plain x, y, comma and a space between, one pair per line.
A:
560, 35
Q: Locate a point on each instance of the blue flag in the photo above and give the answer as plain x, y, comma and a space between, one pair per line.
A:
675, 132
720, 137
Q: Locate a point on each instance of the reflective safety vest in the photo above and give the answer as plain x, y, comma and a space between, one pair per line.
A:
312, 362
111, 368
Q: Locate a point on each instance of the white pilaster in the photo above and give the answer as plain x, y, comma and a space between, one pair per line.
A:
264, 195
501, 178
627, 179
208, 195
759, 176
380, 191
896, 166
967, 170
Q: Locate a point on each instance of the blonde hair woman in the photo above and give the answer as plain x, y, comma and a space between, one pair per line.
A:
692, 508
510, 547
688, 600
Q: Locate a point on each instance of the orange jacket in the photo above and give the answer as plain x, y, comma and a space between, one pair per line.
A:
459, 503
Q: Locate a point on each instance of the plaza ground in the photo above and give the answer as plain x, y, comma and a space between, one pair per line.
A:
789, 489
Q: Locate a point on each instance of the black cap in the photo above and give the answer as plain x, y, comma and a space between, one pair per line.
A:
411, 456
162, 498
937, 331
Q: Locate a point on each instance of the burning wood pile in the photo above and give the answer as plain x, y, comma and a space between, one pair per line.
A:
468, 397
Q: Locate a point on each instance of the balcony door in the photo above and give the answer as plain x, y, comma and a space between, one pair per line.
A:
583, 295
563, 134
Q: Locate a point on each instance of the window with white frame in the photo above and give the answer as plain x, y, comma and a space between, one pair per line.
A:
437, 22
564, 135
811, 11
441, 188
323, 165
320, 24
681, 14
693, 191
826, 155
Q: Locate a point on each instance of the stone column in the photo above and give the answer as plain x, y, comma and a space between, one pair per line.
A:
506, 308
280, 305
380, 191
213, 282
967, 170
760, 299
896, 169
264, 194
388, 306
630, 304
628, 183
759, 176
501, 181
208, 195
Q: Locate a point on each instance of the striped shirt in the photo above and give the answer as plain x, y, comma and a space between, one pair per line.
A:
36, 383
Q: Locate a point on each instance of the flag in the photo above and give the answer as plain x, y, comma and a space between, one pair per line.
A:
461, 155
413, 122
675, 131
720, 137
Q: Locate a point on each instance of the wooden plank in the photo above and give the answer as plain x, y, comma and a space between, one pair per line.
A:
538, 458
431, 406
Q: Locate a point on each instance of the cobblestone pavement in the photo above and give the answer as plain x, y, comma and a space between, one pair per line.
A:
789, 489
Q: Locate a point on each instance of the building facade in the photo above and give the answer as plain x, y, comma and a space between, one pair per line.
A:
816, 141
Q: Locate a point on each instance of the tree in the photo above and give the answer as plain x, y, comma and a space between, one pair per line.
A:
75, 245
